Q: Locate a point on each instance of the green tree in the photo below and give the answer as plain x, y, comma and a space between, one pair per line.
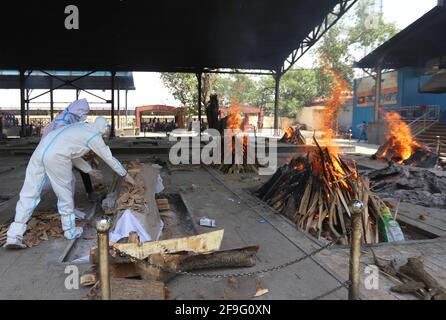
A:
339, 45
244, 88
298, 88
184, 88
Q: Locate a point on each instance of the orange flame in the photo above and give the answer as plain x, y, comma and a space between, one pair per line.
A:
333, 105
289, 132
400, 144
234, 118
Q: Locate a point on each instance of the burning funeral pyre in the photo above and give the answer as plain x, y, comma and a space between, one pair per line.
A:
235, 134
293, 136
400, 146
315, 192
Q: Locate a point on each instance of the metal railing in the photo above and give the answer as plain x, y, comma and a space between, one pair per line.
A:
419, 118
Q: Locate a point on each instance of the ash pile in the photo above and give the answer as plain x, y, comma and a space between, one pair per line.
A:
412, 185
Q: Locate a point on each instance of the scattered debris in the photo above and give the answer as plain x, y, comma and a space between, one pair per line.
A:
260, 292
206, 222
412, 278
412, 185
3, 231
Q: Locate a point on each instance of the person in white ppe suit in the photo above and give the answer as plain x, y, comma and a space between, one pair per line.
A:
75, 112
53, 159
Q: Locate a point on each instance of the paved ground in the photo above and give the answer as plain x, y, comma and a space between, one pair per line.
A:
37, 273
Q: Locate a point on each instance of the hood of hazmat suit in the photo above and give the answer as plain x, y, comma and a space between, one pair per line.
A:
102, 125
75, 112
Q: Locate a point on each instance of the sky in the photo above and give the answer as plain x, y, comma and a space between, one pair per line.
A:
150, 89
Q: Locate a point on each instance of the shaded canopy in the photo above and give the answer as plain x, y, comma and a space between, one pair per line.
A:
415, 46
174, 35
39, 80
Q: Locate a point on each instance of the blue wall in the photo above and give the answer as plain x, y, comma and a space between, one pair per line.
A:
408, 95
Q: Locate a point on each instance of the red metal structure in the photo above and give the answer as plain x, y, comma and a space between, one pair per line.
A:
160, 110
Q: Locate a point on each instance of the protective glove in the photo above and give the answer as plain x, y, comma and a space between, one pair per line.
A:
129, 179
96, 174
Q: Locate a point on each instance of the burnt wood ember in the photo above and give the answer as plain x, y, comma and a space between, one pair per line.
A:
315, 192
412, 185
293, 136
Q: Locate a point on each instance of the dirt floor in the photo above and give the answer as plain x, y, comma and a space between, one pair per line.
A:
39, 273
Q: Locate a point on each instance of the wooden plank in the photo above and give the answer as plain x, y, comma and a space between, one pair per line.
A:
129, 289
202, 243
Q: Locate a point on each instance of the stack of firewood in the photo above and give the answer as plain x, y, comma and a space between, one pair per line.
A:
132, 197
293, 136
316, 192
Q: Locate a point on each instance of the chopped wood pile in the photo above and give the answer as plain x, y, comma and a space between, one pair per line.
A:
411, 185
412, 278
315, 192
293, 136
41, 227
132, 197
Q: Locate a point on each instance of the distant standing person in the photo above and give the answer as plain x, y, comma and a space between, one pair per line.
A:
363, 131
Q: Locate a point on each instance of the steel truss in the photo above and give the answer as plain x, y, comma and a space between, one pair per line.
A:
318, 32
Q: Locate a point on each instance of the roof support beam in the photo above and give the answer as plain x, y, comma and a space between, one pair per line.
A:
112, 132
318, 32
22, 102
277, 77
199, 79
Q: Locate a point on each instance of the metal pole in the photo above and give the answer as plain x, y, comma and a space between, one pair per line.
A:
22, 102
119, 107
77, 94
199, 78
112, 132
102, 228
126, 108
277, 77
27, 106
355, 249
378, 86
51, 102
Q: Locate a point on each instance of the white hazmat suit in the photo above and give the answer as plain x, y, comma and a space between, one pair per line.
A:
53, 159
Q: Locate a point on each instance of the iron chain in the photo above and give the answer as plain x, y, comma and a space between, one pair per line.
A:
235, 275
345, 284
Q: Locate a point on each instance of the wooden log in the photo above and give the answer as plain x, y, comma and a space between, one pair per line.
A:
415, 269
408, 287
123, 270
233, 258
129, 289
205, 242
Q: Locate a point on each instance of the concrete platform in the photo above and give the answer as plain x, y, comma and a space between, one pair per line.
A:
37, 273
